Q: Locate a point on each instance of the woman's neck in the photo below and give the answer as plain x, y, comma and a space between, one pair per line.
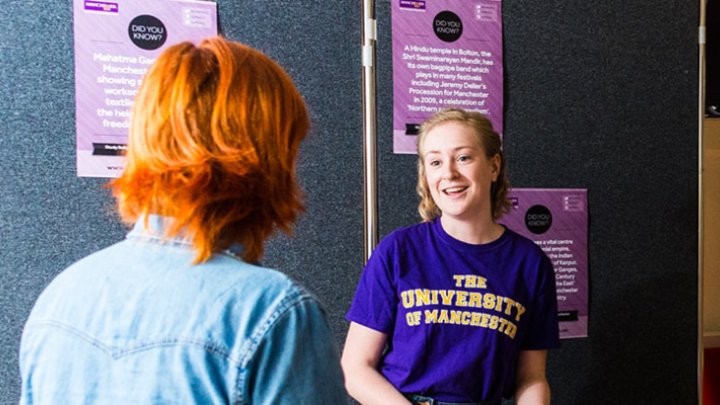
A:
473, 232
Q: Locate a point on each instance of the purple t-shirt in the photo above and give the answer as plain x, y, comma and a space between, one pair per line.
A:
457, 315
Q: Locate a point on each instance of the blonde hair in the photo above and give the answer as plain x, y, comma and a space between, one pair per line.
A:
214, 135
490, 141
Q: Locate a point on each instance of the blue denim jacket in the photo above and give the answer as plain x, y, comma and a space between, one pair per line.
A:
137, 323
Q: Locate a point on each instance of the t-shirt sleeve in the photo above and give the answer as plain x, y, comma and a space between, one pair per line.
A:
297, 361
375, 301
543, 331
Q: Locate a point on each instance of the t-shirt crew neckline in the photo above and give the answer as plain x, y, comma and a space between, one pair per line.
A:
469, 247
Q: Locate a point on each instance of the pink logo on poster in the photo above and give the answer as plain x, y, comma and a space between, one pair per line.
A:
101, 6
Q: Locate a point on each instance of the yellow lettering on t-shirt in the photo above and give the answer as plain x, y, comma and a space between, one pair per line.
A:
497, 308
413, 318
458, 280
489, 301
475, 300
422, 296
408, 298
469, 281
461, 298
493, 322
476, 316
484, 320
466, 315
509, 304
447, 296
503, 324
511, 330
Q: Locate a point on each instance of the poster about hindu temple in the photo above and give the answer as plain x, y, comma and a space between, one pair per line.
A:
557, 221
115, 44
446, 54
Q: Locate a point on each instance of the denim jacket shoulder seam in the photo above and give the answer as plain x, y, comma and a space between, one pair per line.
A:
68, 328
295, 297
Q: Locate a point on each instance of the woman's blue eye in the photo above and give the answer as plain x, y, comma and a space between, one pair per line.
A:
463, 158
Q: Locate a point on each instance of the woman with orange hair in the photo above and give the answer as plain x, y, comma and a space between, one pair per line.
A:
180, 312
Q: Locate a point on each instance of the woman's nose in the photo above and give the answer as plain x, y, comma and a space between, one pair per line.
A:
449, 171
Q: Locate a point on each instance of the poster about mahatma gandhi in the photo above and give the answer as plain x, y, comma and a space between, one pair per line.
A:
557, 221
446, 54
115, 44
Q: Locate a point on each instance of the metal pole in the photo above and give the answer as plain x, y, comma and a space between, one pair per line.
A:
701, 118
369, 38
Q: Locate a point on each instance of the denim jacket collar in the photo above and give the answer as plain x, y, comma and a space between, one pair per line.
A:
153, 228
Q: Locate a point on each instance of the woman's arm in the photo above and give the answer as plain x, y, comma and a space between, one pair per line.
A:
532, 387
360, 359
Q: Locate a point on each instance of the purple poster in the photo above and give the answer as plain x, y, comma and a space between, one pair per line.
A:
115, 44
557, 220
446, 54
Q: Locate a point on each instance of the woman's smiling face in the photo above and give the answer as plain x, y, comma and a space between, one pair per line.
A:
458, 172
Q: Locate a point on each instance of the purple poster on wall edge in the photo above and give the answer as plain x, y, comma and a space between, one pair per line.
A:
557, 221
446, 54
115, 44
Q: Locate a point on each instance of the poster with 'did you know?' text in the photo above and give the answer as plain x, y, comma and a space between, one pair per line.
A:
445, 54
557, 221
115, 44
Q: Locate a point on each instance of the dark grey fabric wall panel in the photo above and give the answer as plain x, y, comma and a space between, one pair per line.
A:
601, 95
598, 95
604, 96
50, 218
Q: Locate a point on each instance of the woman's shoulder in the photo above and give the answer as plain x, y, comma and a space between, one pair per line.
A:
523, 244
409, 233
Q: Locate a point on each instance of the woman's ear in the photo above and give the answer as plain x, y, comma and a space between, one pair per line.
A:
496, 163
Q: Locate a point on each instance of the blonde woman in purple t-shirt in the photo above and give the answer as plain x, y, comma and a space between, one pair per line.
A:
456, 309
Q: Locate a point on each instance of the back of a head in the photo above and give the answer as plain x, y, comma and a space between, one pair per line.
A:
214, 136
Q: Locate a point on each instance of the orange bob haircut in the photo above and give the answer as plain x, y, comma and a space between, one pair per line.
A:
214, 135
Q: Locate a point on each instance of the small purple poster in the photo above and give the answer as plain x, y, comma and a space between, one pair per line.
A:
557, 221
446, 54
115, 44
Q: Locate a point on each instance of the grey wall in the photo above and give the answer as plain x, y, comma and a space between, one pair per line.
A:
598, 95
